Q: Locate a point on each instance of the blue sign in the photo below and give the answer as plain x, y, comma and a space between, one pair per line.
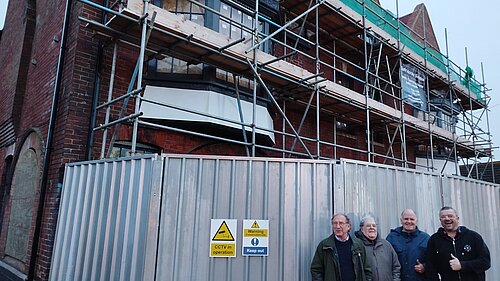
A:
254, 242
255, 251
413, 86
255, 238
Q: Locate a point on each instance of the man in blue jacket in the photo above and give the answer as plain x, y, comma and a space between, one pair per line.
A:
410, 245
455, 252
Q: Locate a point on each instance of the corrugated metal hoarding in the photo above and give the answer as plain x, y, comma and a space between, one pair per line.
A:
103, 220
384, 191
149, 218
295, 196
478, 206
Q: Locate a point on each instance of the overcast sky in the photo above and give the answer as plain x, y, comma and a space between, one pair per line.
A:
3, 10
468, 26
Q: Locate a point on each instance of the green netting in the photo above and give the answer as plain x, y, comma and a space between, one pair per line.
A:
387, 21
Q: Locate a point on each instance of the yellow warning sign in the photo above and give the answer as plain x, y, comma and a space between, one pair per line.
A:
255, 225
249, 232
223, 233
222, 250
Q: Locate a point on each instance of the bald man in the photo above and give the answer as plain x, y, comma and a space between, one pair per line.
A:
410, 245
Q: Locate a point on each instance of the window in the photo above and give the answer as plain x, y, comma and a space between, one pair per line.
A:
343, 127
123, 149
228, 20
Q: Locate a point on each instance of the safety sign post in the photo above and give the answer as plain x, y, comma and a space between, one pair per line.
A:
255, 238
223, 238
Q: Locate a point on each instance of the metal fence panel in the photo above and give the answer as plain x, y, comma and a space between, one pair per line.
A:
103, 220
384, 191
478, 206
148, 218
295, 196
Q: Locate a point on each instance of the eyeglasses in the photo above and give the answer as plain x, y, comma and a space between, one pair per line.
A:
339, 223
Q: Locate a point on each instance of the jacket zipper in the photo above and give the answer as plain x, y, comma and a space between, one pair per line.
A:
455, 250
336, 262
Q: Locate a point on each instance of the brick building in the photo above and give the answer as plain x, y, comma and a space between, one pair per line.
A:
212, 81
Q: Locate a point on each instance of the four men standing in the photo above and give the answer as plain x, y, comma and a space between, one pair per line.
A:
453, 253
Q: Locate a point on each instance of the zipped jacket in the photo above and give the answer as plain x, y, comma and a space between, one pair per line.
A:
383, 259
409, 247
468, 246
325, 265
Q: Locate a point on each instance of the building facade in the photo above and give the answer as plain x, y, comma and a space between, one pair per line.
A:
85, 80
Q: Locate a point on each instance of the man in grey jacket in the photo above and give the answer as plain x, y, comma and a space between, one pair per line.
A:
383, 259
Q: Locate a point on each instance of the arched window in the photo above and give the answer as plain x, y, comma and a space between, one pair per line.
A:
22, 196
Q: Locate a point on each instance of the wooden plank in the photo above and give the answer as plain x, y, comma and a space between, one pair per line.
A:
212, 39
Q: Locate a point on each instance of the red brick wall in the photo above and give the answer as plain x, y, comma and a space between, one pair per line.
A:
74, 110
13, 60
71, 128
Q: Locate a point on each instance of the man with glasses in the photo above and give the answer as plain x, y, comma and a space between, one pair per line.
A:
340, 257
456, 253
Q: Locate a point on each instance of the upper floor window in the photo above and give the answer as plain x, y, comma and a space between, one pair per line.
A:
234, 22
191, 11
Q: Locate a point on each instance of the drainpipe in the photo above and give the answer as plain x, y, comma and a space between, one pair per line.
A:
48, 147
95, 95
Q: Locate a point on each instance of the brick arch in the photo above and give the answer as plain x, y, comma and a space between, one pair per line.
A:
21, 201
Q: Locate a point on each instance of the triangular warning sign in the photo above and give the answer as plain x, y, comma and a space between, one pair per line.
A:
255, 225
223, 233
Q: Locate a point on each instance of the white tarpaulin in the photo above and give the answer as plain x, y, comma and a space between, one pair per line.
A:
204, 106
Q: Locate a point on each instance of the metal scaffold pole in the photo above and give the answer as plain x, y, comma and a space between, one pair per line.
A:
471, 122
450, 93
110, 97
490, 147
316, 86
255, 42
353, 78
401, 98
427, 90
366, 86
142, 52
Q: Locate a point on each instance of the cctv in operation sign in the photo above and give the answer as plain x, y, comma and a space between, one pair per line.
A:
223, 238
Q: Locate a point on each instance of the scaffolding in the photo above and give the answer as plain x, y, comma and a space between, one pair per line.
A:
343, 62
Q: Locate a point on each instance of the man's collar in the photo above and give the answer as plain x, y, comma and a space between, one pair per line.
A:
338, 239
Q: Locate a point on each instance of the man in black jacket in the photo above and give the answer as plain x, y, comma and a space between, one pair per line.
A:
455, 252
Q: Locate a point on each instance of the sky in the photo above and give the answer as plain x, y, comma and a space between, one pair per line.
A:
468, 26
471, 26
3, 10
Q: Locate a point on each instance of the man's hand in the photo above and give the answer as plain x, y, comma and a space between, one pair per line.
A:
455, 263
419, 267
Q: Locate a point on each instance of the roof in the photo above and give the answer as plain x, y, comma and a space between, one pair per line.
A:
489, 172
414, 21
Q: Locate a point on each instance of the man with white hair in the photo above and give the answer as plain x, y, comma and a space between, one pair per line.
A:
383, 259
